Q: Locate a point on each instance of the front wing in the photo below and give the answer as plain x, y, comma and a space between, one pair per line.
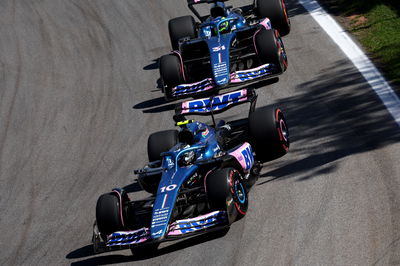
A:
178, 229
238, 77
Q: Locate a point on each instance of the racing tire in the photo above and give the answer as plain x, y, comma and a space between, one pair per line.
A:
269, 133
171, 73
179, 28
270, 49
108, 215
226, 190
276, 11
159, 142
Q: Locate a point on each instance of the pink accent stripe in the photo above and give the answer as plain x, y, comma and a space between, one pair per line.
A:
185, 105
254, 40
195, 83
181, 60
205, 179
238, 154
120, 206
265, 24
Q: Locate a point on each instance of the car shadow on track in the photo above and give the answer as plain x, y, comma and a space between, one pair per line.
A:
153, 65
156, 105
159, 105
336, 115
110, 258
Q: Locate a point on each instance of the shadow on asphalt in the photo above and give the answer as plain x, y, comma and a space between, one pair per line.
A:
336, 115
152, 66
87, 251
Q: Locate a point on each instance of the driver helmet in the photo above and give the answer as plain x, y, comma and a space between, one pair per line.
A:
224, 27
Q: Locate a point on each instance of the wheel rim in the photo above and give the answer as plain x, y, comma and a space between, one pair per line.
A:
284, 130
240, 193
285, 12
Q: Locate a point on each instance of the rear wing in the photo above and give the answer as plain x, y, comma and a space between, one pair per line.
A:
195, 2
215, 104
191, 3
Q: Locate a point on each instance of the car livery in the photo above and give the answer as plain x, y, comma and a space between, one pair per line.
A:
200, 183
224, 51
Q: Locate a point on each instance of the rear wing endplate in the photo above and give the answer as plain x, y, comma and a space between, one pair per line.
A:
215, 104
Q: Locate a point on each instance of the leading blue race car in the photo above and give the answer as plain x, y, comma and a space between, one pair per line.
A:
230, 46
198, 177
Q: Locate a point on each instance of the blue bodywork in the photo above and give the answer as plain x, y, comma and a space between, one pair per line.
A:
173, 176
219, 43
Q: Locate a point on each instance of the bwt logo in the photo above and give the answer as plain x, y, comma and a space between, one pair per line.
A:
219, 102
248, 157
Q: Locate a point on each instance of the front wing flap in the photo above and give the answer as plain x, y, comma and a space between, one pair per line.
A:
178, 229
237, 77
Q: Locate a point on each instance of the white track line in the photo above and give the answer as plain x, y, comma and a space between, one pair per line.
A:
357, 56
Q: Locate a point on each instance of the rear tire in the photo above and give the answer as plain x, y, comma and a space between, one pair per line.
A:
269, 134
108, 215
179, 28
270, 48
276, 11
171, 73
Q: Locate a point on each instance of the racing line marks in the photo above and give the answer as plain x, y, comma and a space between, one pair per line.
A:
357, 56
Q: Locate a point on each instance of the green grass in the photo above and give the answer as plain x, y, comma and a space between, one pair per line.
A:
378, 30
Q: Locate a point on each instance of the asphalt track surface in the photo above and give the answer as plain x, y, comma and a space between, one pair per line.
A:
78, 100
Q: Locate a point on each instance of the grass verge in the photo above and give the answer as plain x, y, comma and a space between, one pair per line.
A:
376, 24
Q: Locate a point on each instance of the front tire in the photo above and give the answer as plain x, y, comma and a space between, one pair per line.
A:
269, 133
227, 191
171, 73
270, 48
108, 214
276, 11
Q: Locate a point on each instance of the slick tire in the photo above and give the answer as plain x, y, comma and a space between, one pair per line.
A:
269, 48
108, 215
276, 11
171, 73
179, 28
269, 133
159, 142
227, 191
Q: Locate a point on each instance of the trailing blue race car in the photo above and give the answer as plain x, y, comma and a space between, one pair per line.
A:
229, 46
199, 177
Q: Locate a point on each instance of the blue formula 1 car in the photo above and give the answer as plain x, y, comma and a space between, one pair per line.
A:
199, 176
229, 46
